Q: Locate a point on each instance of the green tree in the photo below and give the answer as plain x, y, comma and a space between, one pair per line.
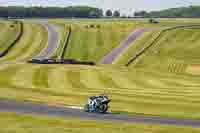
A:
140, 14
96, 14
109, 13
72, 11
182, 12
116, 14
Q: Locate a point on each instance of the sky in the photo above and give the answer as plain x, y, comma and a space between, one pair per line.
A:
125, 6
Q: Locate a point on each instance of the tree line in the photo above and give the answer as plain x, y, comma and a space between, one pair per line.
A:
72, 11
54, 12
182, 12
91, 12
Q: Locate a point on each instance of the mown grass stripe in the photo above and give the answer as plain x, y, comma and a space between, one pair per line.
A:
40, 77
24, 76
90, 79
58, 79
107, 80
74, 78
7, 73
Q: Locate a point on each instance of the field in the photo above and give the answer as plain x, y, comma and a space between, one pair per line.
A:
162, 81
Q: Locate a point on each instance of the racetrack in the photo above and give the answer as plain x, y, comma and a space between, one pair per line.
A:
110, 57
42, 109
53, 42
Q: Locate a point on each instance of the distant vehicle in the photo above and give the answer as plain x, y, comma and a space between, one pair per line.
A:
62, 61
42, 61
97, 104
153, 21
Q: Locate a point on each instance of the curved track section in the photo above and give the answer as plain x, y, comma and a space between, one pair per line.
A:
53, 42
109, 58
42, 109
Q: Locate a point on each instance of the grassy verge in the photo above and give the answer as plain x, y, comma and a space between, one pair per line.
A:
11, 122
174, 51
133, 91
32, 41
9, 33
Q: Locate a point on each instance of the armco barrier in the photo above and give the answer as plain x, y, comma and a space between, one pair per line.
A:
66, 43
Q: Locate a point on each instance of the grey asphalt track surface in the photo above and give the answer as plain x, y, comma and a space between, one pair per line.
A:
64, 112
109, 58
53, 41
